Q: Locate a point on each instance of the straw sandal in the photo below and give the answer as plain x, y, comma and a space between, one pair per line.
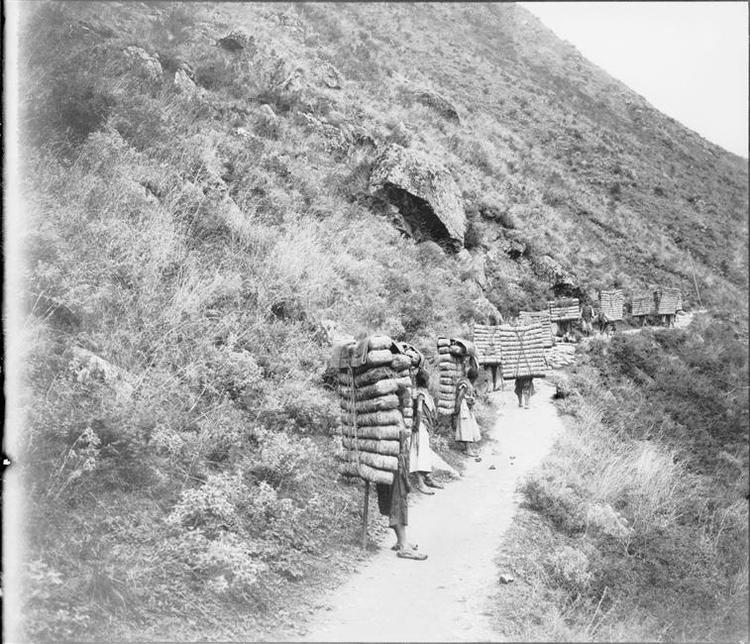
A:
411, 553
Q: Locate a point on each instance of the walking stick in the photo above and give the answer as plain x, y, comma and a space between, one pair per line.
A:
365, 512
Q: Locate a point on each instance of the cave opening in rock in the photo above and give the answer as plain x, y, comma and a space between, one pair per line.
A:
423, 223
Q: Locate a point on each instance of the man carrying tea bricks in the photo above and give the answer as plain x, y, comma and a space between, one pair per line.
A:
587, 314
524, 390
393, 499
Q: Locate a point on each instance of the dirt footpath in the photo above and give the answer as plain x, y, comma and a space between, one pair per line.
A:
446, 597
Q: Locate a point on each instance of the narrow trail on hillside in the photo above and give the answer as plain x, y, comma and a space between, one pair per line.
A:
446, 597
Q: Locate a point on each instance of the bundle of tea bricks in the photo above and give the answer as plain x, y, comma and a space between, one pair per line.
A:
450, 370
537, 317
488, 347
372, 411
415, 358
611, 304
567, 309
643, 303
523, 350
668, 300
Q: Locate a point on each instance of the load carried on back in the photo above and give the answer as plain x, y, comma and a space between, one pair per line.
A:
643, 303
454, 355
611, 304
522, 349
668, 300
374, 390
544, 318
563, 311
416, 359
487, 344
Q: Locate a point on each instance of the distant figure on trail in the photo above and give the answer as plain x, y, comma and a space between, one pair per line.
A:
524, 390
425, 415
393, 499
587, 314
605, 324
467, 429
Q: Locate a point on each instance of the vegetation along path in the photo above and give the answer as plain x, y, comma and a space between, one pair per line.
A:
447, 596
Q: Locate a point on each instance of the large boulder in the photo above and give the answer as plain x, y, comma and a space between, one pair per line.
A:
423, 191
552, 271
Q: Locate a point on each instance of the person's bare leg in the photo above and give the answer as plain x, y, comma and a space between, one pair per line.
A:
400, 531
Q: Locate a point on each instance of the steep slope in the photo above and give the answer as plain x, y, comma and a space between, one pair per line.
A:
201, 223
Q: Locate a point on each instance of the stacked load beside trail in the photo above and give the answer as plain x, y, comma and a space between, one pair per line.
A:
452, 356
668, 300
522, 350
611, 303
643, 303
488, 346
538, 317
373, 379
564, 309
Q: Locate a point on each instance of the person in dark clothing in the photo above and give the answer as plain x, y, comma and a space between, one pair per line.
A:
393, 499
524, 390
587, 314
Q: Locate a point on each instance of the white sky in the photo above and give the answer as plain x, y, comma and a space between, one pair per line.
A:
688, 59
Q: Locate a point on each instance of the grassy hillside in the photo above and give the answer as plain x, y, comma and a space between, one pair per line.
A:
636, 526
197, 218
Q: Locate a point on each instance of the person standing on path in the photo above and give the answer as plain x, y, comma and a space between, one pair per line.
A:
393, 499
467, 429
524, 390
420, 456
587, 314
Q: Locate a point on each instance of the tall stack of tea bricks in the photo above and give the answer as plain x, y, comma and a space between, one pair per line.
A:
538, 317
451, 366
487, 344
611, 303
371, 374
668, 300
522, 350
564, 309
643, 303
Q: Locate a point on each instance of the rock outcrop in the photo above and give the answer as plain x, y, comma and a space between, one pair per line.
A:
86, 367
146, 64
547, 268
236, 41
424, 192
183, 83
330, 76
440, 104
